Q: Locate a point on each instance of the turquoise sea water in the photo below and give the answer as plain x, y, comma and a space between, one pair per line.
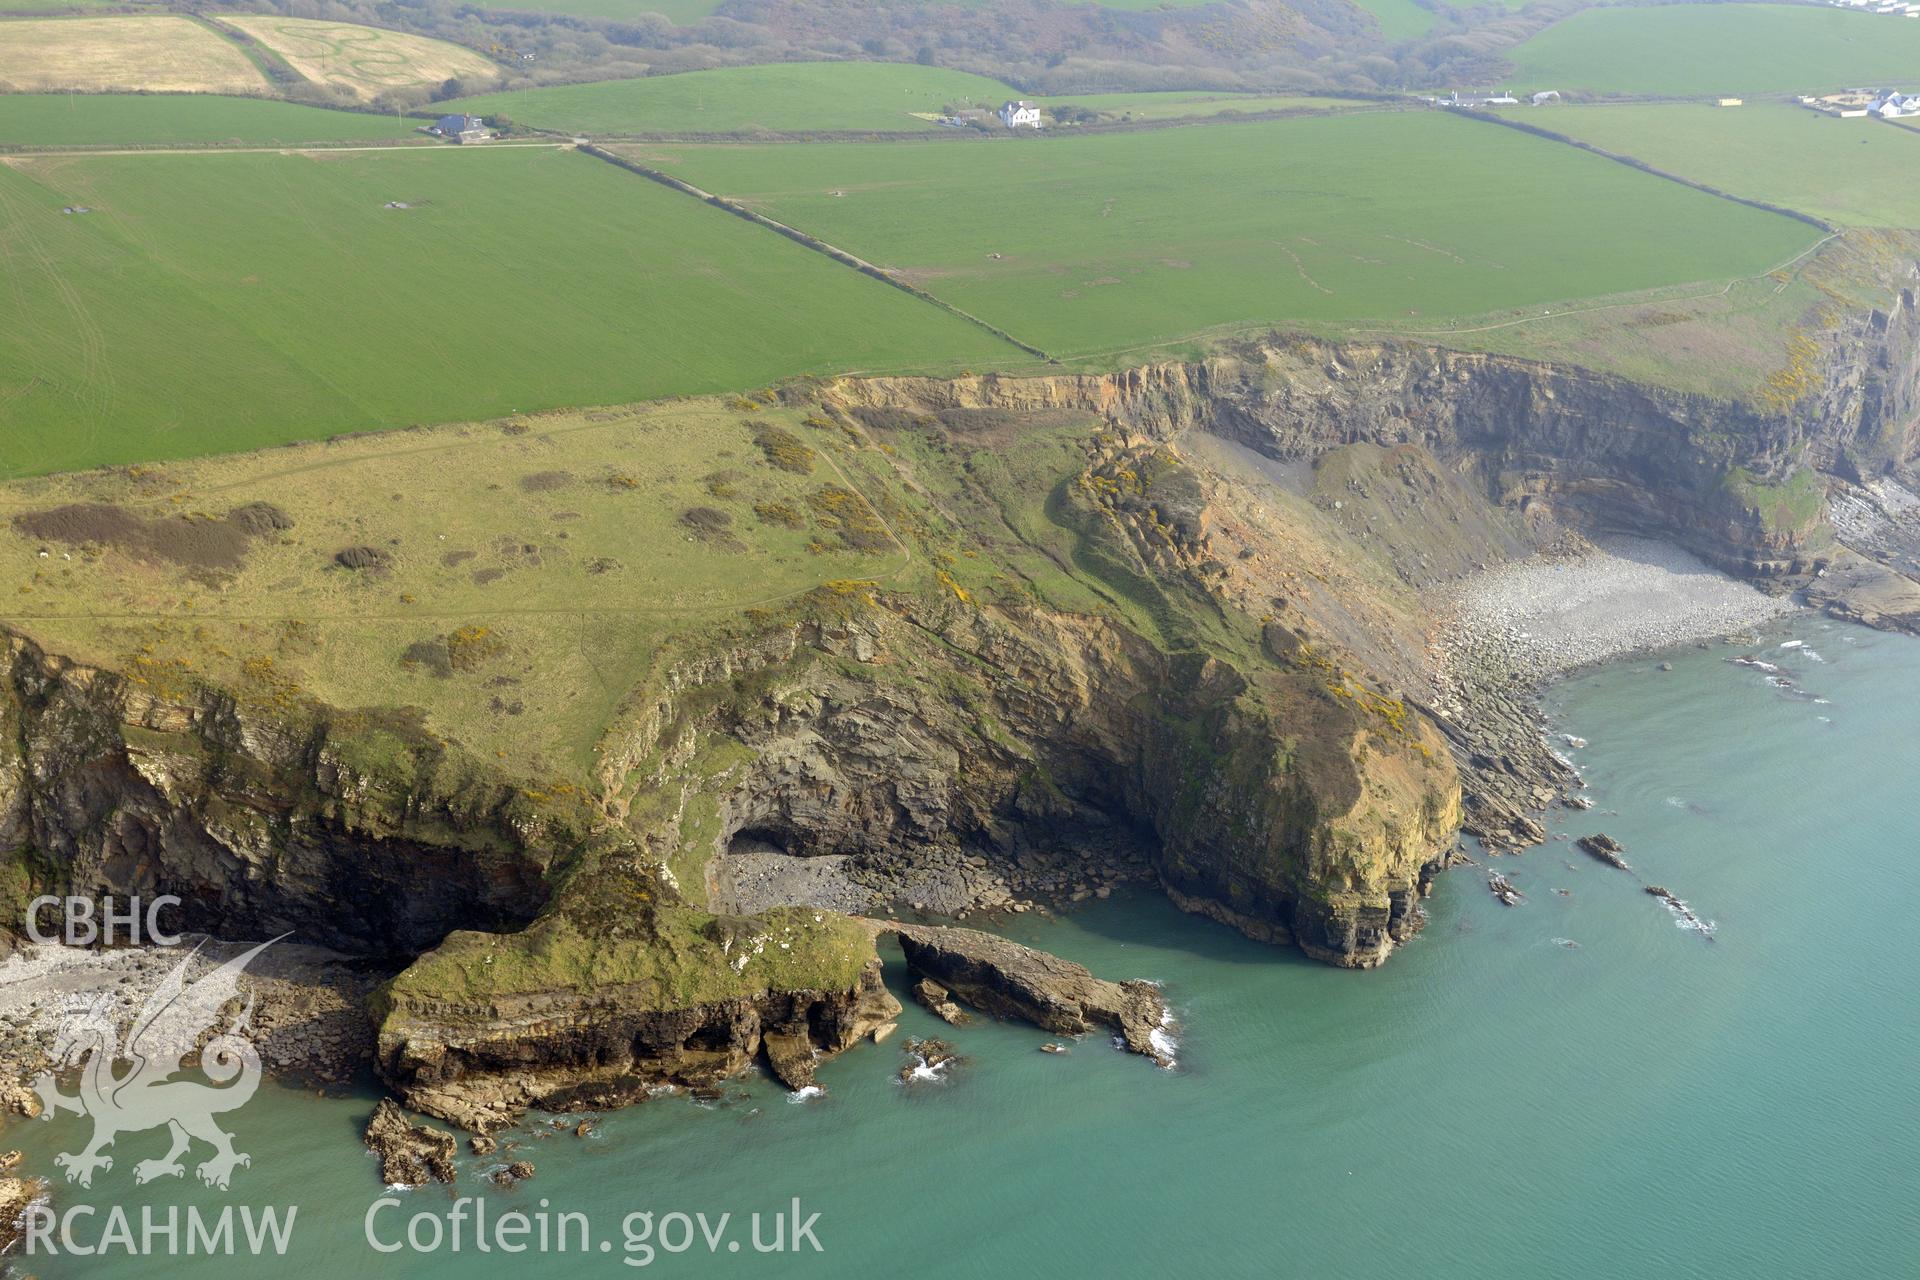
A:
1492, 1103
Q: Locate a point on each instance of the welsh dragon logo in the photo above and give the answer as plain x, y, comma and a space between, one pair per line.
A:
132, 1086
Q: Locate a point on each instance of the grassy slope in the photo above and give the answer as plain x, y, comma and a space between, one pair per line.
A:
117, 53
1179, 104
1399, 19
792, 97
1108, 242
222, 302
62, 120
1851, 172
367, 60
1712, 49
573, 624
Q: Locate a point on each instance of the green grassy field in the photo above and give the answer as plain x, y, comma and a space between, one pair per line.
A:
225, 301
1399, 19
1714, 49
793, 97
1111, 242
1850, 172
1176, 105
69, 120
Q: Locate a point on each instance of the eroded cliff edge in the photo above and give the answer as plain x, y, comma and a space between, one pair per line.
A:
1207, 633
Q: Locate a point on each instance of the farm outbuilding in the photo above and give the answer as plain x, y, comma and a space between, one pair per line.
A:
461, 128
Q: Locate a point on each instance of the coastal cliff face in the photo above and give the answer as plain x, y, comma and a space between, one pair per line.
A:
1227, 696
360, 831
1734, 482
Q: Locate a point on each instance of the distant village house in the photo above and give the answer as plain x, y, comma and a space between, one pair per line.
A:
1859, 104
460, 129
1020, 115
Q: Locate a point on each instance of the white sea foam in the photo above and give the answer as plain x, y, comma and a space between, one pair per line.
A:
807, 1093
1793, 644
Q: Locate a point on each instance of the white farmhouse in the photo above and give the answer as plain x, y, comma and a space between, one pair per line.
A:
1020, 115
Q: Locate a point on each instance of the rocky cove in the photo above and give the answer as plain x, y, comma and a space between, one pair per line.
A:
1278, 722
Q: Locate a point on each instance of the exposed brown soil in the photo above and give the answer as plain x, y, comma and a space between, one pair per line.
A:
198, 542
712, 527
546, 481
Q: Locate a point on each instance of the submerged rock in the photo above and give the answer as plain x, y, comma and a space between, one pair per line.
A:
926, 1059
1605, 848
518, 1171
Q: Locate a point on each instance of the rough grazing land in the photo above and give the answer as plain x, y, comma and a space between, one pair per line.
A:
367, 60
516, 279
1850, 172
67, 120
514, 579
1100, 243
125, 53
1714, 49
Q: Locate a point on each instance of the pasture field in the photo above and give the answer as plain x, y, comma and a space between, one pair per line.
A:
1101, 244
514, 579
73, 120
1850, 172
785, 97
160, 53
1186, 104
1399, 19
366, 60
224, 301
1718, 49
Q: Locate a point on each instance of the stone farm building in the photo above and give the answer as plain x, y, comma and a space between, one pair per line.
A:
461, 128
1020, 115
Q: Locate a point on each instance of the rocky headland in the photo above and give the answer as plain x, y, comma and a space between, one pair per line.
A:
1311, 591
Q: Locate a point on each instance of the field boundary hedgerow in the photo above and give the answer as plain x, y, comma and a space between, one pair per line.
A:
814, 243
1634, 162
